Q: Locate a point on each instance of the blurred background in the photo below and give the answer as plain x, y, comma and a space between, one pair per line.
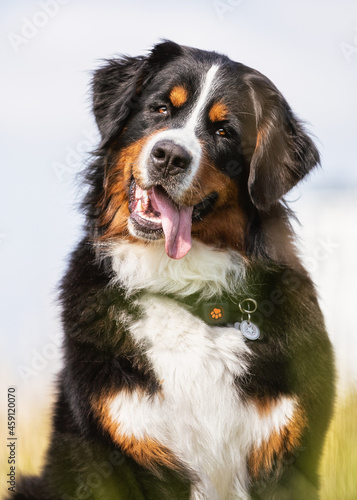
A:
48, 52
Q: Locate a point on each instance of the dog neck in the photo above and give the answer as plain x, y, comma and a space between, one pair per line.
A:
205, 271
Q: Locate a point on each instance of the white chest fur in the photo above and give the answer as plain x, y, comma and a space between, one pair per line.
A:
198, 415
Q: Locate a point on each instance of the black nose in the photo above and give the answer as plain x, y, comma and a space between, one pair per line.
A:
170, 158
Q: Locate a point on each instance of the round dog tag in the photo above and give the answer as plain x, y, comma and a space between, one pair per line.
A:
249, 330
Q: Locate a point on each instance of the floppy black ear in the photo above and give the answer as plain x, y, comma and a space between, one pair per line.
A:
283, 153
117, 85
114, 88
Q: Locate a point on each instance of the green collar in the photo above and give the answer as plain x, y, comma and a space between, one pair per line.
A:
217, 312
226, 312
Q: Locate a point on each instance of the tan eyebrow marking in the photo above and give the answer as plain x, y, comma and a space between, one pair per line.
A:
178, 96
218, 112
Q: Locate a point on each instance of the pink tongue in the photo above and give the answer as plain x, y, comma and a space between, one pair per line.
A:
176, 223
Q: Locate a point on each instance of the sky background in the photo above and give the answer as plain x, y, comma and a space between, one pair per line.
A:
48, 51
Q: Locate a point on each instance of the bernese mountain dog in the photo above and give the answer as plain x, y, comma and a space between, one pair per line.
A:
196, 361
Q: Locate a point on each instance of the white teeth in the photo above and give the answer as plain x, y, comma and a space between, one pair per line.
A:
145, 200
143, 203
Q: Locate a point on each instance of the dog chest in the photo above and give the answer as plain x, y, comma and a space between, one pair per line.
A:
197, 414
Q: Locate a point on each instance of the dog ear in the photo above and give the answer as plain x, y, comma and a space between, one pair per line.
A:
114, 87
283, 152
164, 52
117, 85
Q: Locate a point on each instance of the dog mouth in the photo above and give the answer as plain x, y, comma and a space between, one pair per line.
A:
155, 215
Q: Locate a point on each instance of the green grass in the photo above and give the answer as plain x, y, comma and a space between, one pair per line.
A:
339, 464
338, 470
32, 431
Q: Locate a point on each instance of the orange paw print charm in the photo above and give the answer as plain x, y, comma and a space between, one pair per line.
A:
216, 313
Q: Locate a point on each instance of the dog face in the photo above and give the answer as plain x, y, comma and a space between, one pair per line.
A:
195, 145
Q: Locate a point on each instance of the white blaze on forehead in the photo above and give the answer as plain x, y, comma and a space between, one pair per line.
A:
203, 97
184, 136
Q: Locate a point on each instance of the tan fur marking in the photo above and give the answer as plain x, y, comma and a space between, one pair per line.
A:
178, 96
280, 444
218, 112
114, 203
259, 138
265, 405
145, 451
226, 224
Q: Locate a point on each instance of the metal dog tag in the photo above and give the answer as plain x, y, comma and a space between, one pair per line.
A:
249, 330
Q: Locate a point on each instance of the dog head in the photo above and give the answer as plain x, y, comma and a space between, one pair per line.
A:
194, 144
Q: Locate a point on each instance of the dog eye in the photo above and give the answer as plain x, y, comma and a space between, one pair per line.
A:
162, 110
221, 131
